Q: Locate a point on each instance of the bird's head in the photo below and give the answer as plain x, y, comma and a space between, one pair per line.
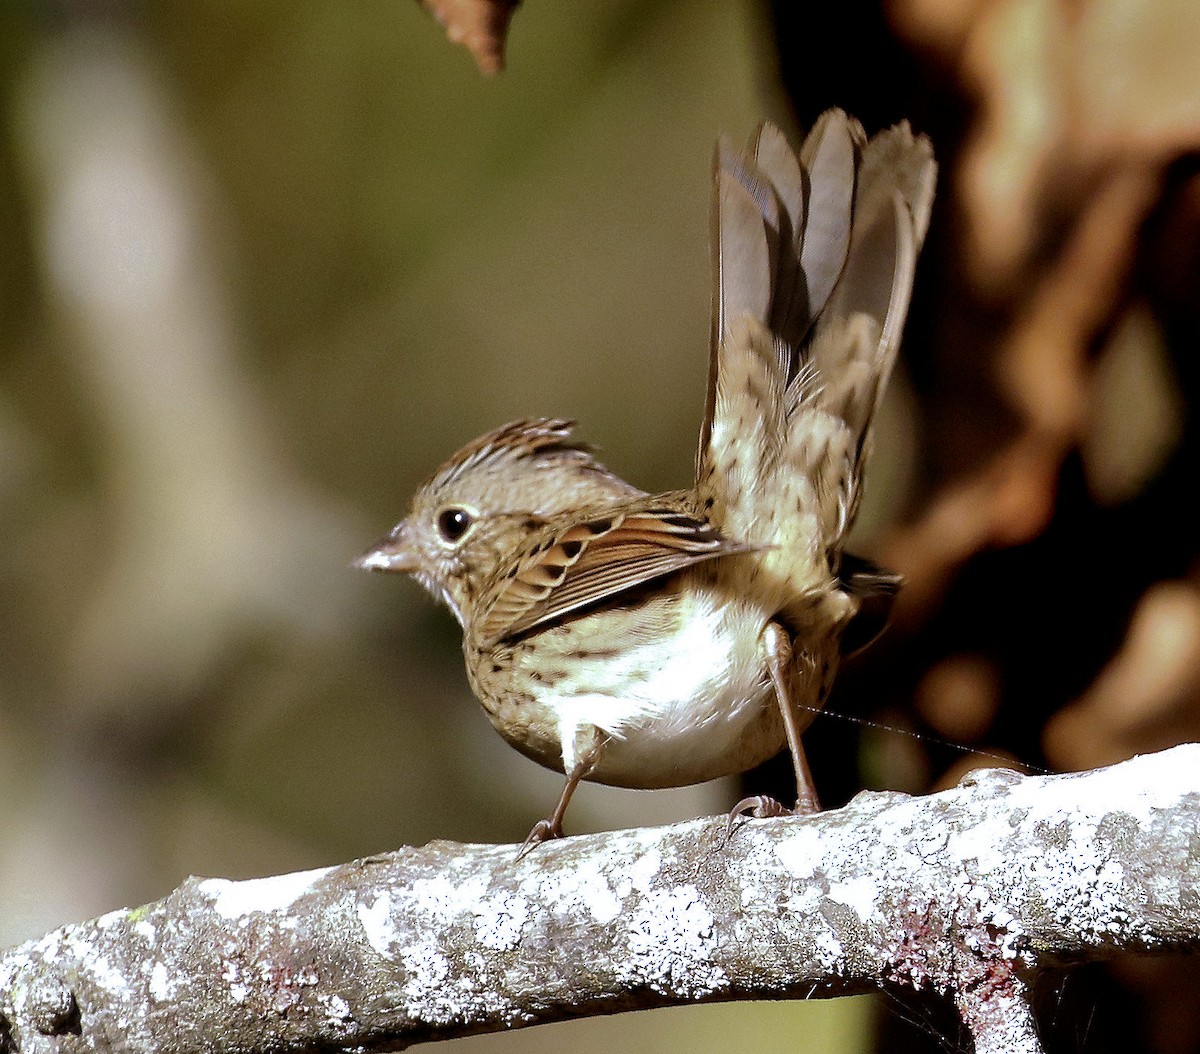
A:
469, 519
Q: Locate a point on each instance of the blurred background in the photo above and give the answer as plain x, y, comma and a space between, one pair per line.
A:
264, 265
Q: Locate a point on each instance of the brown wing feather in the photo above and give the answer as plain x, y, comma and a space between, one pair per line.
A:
595, 559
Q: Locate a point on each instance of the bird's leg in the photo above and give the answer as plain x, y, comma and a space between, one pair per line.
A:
777, 652
583, 763
544, 830
778, 647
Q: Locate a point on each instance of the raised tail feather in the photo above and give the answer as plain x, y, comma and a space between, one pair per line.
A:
814, 257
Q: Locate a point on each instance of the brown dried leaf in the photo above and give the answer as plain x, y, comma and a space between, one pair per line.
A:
481, 26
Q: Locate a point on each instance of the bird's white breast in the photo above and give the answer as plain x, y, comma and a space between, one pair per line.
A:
686, 698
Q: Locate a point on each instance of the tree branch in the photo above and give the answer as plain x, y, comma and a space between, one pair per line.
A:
967, 892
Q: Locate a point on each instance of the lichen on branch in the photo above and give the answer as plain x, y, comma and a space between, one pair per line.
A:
967, 892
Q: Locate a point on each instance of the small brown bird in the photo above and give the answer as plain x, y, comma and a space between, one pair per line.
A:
660, 640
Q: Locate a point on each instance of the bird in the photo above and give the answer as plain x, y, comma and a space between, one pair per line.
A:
654, 640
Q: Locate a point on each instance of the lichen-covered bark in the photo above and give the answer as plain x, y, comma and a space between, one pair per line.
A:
967, 891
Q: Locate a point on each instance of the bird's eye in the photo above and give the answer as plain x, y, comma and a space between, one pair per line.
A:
453, 523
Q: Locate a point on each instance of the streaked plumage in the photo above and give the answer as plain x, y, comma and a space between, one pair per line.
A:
660, 640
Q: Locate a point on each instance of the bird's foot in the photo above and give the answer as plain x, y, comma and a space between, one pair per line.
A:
758, 806
542, 831
806, 801
762, 807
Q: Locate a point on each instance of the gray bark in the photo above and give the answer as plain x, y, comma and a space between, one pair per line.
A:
968, 892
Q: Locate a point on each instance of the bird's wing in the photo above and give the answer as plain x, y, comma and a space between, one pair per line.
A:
597, 557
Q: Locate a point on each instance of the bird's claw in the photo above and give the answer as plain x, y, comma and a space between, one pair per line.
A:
762, 807
759, 806
542, 831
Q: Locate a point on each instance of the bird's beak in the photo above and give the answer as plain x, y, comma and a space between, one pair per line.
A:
396, 552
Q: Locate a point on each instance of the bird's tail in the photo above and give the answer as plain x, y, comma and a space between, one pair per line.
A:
813, 267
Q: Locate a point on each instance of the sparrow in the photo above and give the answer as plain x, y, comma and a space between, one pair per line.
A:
661, 640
